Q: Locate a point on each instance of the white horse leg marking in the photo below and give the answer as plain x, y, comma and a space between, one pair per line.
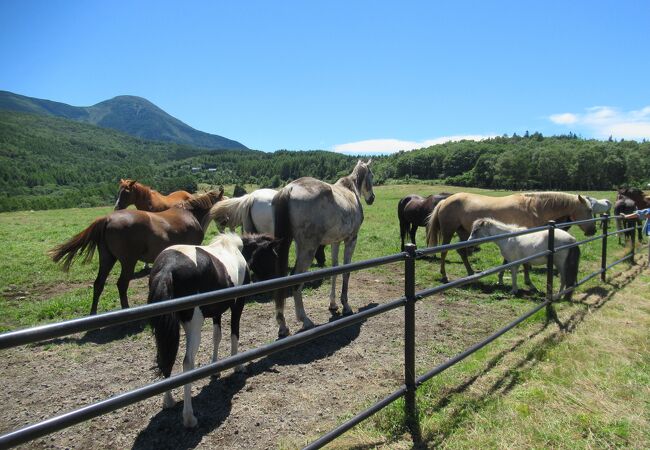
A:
303, 260
347, 258
283, 330
234, 348
513, 274
168, 400
335, 262
193, 338
216, 340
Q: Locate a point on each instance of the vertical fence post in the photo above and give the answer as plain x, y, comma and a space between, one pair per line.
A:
409, 340
550, 310
633, 240
603, 257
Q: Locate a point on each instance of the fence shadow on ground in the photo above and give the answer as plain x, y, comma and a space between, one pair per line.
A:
213, 404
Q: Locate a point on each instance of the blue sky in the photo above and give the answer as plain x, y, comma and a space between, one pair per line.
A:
352, 76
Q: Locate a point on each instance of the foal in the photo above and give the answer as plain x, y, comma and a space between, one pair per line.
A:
518, 247
182, 270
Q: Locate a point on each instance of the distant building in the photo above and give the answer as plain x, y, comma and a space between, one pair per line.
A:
212, 169
195, 169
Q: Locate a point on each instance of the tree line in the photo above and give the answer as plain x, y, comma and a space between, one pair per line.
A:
48, 162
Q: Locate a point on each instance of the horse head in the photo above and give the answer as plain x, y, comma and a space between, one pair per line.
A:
364, 180
261, 254
126, 194
583, 211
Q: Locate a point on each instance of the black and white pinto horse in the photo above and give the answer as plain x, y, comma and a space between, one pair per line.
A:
182, 270
315, 213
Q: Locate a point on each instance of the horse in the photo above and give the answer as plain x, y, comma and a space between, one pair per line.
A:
601, 206
131, 235
413, 211
457, 213
625, 205
314, 213
182, 270
146, 199
254, 213
517, 247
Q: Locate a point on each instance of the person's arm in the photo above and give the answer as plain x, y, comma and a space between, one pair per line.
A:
631, 216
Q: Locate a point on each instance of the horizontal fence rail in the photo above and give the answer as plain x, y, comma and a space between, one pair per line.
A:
55, 330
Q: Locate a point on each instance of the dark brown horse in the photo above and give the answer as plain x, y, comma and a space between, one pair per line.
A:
146, 199
629, 200
131, 235
413, 211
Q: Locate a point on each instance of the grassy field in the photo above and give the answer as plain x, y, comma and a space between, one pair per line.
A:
487, 401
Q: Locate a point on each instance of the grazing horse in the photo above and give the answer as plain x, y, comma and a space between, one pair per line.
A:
601, 206
314, 213
518, 247
146, 199
254, 213
413, 211
131, 235
458, 212
182, 270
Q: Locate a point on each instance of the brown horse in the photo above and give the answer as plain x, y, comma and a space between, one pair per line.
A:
146, 199
131, 235
629, 200
458, 212
413, 212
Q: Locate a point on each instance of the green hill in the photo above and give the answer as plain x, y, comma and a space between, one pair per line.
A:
132, 115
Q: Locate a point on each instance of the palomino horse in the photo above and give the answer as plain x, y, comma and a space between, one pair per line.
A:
458, 212
131, 235
518, 247
413, 212
314, 213
254, 213
182, 270
146, 199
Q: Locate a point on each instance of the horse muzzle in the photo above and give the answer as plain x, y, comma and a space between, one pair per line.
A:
370, 200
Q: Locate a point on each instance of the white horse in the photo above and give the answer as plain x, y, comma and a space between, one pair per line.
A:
601, 206
254, 213
314, 213
518, 247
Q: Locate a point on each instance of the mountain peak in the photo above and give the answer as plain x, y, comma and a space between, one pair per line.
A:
129, 114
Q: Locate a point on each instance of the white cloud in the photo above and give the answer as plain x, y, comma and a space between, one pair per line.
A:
605, 121
376, 146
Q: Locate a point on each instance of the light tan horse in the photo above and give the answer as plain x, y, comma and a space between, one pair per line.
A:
146, 199
457, 213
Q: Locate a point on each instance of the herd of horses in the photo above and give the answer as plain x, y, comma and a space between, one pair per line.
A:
167, 231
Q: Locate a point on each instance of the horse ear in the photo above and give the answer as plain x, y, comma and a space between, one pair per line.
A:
582, 199
369, 162
132, 183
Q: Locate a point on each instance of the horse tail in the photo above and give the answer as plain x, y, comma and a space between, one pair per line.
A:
403, 226
571, 269
166, 328
282, 223
83, 243
232, 211
433, 226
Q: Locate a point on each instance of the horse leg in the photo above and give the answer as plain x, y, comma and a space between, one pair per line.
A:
283, 330
527, 280
304, 257
320, 256
235, 316
513, 274
412, 231
463, 252
216, 339
500, 282
193, 339
347, 258
128, 267
106, 263
402, 231
335, 262
446, 239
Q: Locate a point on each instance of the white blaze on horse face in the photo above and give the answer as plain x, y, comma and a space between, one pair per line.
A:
119, 197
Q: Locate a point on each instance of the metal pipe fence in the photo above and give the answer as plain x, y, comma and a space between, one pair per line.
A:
411, 380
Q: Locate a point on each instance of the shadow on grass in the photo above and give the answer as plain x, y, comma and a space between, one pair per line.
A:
462, 408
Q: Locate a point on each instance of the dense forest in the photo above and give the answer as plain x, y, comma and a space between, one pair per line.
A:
48, 162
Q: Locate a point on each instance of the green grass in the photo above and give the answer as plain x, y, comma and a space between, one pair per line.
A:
503, 396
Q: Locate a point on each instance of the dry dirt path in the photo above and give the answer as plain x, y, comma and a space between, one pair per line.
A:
284, 400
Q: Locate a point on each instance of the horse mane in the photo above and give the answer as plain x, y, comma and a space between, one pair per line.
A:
228, 239
511, 227
550, 200
355, 179
201, 201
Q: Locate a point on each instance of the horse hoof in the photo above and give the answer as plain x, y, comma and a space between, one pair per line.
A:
190, 422
444, 280
334, 310
283, 333
348, 312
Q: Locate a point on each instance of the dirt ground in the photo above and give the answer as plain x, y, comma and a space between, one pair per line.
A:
282, 401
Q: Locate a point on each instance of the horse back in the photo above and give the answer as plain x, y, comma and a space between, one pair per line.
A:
462, 209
